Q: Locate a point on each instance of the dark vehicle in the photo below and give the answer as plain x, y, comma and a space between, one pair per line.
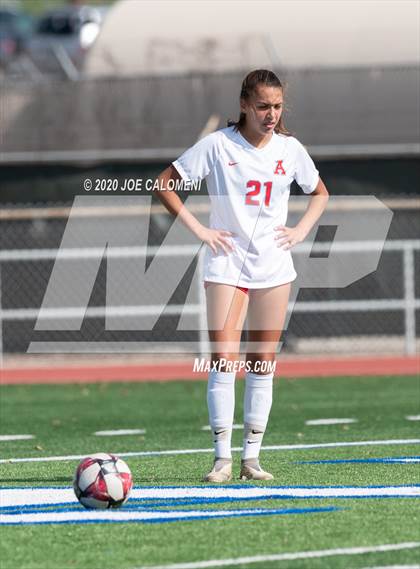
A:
15, 31
63, 37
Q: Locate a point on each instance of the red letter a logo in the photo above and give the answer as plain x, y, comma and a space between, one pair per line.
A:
279, 168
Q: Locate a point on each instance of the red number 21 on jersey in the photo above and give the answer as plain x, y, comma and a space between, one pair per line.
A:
250, 198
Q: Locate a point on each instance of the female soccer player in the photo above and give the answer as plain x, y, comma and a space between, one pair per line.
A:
249, 167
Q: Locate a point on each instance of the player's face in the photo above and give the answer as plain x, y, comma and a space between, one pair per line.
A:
263, 109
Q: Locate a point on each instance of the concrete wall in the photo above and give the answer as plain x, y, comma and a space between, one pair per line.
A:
324, 107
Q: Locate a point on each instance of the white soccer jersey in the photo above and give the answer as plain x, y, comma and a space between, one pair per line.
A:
249, 189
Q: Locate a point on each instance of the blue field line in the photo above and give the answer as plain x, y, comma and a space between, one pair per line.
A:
287, 512
36, 508
160, 503
64, 507
206, 514
157, 505
195, 501
384, 460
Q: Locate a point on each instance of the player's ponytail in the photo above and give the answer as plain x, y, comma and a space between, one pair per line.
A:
249, 84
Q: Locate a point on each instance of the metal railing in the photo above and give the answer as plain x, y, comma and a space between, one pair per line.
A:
408, 304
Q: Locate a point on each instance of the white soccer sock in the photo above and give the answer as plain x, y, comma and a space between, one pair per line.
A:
221, 406
257, 405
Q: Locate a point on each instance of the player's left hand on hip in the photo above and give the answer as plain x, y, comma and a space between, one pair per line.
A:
288, 237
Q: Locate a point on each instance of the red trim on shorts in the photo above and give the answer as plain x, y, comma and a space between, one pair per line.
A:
242, 288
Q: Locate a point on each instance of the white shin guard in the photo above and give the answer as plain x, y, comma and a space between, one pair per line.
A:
257, 406
221, 406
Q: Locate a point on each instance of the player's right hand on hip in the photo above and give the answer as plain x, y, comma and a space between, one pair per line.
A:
217, 239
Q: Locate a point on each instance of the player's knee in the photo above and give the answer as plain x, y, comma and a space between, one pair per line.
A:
224, 361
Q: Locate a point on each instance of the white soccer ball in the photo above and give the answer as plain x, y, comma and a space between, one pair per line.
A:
102, 481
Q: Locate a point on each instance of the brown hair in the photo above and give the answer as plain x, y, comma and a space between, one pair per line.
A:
249, 84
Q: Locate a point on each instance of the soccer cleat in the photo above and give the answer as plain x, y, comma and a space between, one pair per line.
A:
251, 470
221, 471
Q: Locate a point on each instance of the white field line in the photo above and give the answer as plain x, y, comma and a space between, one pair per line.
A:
122, 516
413, 417
119, 432
16, 497
393, 567
330, 421
210, 450
16, 437
401, 460
235, 426
287, 556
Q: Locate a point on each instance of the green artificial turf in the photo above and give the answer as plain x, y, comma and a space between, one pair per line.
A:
64, 418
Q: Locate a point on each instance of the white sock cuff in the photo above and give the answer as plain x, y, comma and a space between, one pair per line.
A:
221, 377
255, 380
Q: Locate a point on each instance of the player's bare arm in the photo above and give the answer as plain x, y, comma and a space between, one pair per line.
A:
288, 237
214, 238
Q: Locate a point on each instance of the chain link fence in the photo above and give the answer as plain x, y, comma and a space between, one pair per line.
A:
378, 313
